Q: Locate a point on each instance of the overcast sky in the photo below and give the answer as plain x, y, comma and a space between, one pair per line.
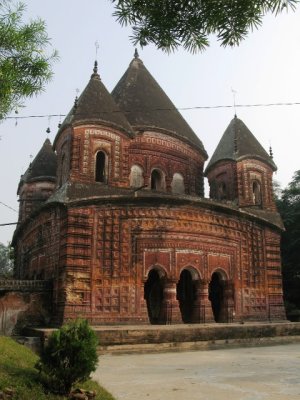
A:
264, 69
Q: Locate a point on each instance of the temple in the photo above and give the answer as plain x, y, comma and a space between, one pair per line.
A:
113, 214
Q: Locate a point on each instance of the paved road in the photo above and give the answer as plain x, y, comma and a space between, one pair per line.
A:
261, 373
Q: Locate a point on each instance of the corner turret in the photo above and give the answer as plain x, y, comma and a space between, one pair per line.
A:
240, 170
38, 182
96, 105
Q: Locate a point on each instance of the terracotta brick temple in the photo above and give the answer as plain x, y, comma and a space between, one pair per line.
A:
114, 215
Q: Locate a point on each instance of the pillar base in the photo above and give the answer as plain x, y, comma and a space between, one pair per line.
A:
171, 310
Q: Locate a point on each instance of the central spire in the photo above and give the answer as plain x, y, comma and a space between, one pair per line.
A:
147, 106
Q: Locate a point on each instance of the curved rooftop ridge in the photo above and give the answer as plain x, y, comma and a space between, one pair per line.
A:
145, 104
96, 104
238, 143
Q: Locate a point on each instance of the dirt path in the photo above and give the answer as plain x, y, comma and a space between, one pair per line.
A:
261, 373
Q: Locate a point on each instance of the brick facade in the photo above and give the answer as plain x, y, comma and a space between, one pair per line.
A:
127, 236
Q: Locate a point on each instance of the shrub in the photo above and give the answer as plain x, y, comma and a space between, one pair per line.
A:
69, 356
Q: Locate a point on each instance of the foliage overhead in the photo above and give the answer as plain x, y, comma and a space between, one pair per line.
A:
169, 24
6, 263
69, 356
289, 208
25, 65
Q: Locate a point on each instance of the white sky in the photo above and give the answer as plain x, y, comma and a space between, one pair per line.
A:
265, 68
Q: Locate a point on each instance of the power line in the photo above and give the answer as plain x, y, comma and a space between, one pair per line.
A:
36, 116
241, 106
5, 205
165, 109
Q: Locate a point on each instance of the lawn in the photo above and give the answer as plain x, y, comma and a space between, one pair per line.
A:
18, 373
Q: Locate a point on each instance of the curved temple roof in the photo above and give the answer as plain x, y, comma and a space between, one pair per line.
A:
96, 104
146, 105
44, 164
43, 167
237, 143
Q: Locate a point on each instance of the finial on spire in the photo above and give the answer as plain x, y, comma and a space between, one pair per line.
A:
271, 152
234, 92
48, 129
96, 47
75, 102
95, 69
136, 54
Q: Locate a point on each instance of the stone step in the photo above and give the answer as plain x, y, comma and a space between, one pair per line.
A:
192, 346
152, 338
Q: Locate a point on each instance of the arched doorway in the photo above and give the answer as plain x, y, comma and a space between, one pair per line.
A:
216, 296
186, 295
153, 293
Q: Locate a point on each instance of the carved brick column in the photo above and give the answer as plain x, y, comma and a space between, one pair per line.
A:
168, 184
196, 313
229, 300
170, 306
143, 303
147, 180
206, 313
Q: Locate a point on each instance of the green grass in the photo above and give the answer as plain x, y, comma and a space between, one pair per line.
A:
17, 372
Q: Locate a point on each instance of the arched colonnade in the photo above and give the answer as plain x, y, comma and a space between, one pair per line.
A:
189, 298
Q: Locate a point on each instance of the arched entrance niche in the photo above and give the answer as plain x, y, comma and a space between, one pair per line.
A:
256, 189
157, 180
177, 184
187, 295
136, 176
154, 294
101, 167
216, 295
